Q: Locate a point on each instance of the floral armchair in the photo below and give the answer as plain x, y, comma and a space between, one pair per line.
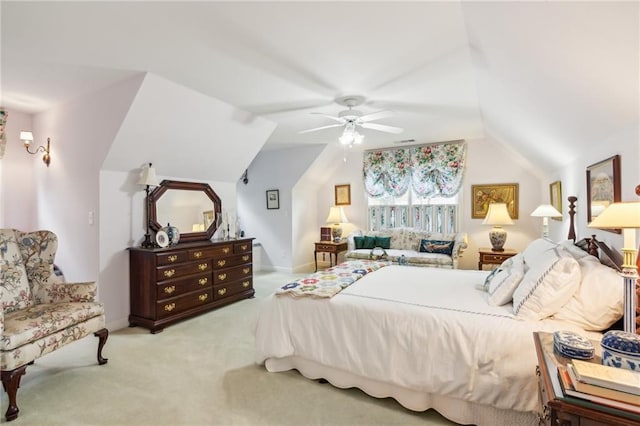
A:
39, 312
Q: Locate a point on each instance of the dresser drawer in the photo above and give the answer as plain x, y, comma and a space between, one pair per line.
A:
171, 258
173, 288
223, 276
234, 260
175, 271
206, 252
174, 305
225, 290
242, 247
495, 258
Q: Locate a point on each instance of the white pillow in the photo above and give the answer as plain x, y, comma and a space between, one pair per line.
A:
505, 281
536, 250
599, 301
548, 285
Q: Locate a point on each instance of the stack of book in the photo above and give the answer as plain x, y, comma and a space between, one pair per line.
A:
610, 386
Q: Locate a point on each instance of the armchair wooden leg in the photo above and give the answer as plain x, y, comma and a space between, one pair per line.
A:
102, 335
11, 383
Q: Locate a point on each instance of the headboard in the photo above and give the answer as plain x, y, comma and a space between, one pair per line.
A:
602, 251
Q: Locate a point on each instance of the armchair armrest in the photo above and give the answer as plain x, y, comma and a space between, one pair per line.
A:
459, 245
67, 292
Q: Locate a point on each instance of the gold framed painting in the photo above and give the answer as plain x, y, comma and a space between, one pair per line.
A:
343, 195
555, 197
483, 195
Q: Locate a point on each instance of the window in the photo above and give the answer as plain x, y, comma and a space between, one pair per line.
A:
416, 187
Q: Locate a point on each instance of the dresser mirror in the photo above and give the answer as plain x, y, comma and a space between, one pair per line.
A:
190, 206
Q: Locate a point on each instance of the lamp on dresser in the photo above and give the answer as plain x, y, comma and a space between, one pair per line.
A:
498, 216
625, 216
148, 179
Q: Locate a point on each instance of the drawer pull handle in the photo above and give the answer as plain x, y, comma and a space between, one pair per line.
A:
221, 262
203, 281
245, 284
245, 258
203, 266
169, 273
222, 291
170, 289
197, 254
243, 247
172, 258
225, 250
222, 277
170, 307
203, 297
245, 270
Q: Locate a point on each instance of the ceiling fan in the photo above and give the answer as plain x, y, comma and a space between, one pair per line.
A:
351, 118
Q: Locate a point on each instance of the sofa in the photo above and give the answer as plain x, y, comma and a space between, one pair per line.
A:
420, 248
39, 312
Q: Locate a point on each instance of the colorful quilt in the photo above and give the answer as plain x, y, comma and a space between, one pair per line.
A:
331, 281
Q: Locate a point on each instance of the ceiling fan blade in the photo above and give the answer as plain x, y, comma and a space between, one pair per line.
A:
333, 117
320, 128
376, 116
382, 128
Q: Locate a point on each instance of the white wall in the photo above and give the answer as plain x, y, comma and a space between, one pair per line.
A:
17, 184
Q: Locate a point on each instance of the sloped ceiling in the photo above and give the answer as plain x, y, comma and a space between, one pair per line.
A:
185, 133
547, 79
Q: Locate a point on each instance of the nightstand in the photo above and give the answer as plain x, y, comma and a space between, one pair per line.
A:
556, 408
490, 257
329, 247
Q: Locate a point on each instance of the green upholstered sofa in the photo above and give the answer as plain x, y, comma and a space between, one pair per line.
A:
39, 312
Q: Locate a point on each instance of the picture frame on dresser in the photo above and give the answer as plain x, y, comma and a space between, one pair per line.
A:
603, 187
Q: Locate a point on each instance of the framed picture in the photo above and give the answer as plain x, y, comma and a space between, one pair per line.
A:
207, 219
343, 195
483, 195
555, 197
273, 199
603, 187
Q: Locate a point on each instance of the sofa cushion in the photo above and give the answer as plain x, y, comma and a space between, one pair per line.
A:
35, 322
436, 246
384, 242
365, 242
15, 293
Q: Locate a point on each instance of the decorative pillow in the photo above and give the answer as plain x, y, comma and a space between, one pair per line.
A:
358, 242
506, 280
487, 280
548, 285
384, 242
369, 242
535, 251
436, 246
598, 303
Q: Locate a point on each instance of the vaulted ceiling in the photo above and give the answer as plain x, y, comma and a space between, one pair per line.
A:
547, 79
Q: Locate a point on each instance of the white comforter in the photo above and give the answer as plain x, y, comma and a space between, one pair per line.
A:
427, 330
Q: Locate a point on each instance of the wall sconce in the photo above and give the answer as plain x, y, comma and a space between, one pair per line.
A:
27, 138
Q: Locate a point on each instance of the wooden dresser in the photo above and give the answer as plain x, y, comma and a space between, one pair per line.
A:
167, 285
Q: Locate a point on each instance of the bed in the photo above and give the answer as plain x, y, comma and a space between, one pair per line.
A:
429, 338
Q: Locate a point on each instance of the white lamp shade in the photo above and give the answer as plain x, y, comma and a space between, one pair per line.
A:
26, 137
148, 177
546, 210
497, 215
336, 215
618, 216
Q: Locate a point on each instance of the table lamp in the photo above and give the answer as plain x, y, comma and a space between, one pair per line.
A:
148, 179
497, 215
545, 211
625, 216
336, 217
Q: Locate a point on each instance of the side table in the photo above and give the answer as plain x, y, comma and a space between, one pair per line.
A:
329, 247
489, 257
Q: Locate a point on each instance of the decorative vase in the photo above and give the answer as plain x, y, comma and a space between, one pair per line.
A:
173, 233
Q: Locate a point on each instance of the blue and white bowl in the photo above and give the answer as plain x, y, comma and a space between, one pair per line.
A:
572, 345
621, 349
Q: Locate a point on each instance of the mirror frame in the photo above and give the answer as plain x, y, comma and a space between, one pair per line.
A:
185, 237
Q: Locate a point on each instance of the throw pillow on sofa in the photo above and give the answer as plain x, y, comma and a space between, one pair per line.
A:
365, 242
384, 242
436, 246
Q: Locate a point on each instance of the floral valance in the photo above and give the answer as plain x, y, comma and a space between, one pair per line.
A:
3, 138
431, 170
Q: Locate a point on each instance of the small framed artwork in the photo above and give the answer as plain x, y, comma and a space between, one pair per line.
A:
343, 195
273, 199
207, 218
555, 197
483, 195
603, 187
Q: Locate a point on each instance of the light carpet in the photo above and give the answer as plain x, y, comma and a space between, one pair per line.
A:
197, 372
